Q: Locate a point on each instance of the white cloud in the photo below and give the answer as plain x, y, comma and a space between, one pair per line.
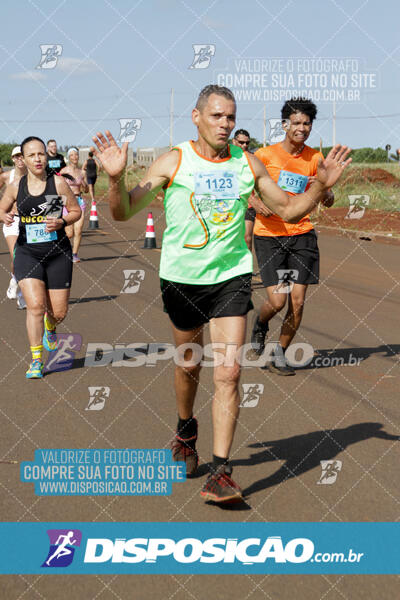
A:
213, 23
31, 75
76, 65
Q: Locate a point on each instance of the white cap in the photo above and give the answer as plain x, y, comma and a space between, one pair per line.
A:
16, 150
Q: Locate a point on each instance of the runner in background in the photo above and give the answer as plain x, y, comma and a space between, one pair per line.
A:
11, 231
287, 253
242, 140
205, 266
77, 183
55, 161
43, 258
90, 167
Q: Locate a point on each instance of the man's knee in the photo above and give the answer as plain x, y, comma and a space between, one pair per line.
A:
276, 301
191, 371
227, 376
297, 303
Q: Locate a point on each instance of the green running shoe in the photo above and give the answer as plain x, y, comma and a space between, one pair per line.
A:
35, 370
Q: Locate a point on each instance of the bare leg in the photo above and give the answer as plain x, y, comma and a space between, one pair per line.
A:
274, 304
78, 226
294, 314
69, 230
34, 292
91, 191
187, 378
57, 305
225, 409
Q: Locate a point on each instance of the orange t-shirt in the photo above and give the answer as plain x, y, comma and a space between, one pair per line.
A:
283, 168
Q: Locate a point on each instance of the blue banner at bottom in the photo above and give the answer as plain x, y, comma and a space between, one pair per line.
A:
159, 548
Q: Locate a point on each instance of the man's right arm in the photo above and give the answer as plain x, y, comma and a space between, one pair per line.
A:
124, 204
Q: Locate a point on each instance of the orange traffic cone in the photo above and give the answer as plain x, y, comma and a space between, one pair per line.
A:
93, 219
150, 239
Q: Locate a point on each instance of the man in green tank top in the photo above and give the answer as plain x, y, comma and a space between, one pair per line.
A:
206, 267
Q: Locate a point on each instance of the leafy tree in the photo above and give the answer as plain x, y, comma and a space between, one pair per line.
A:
5, 153
362, 155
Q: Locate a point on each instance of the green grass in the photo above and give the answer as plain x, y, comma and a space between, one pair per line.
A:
382, 196
132, 178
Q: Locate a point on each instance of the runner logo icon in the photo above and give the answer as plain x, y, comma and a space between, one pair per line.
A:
330, 471
63, 543
202, 55
276, 131
50, 55
251, 394
287, 278
357, 206
133, 279
97, 397
129, 129
62, 358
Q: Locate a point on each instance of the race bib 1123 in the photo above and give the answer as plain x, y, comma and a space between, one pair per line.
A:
221, 184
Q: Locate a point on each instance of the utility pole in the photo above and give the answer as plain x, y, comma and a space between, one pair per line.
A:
265, 126
171, 118
334, 123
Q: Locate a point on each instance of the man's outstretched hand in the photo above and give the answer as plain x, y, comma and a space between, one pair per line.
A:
112, 157
331, 169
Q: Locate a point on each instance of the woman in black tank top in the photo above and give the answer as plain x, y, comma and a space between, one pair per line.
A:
43, 258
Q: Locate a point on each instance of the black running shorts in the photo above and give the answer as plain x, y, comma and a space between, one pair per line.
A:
190, 306
299, 253
55, 270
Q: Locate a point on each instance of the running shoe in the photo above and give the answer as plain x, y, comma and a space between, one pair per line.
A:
21, 304
49, 339
185, 450
279, 364
35, 370
12, 289
220, 487
75, 258
258, 336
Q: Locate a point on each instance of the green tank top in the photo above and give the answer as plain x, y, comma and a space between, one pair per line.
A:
205, 203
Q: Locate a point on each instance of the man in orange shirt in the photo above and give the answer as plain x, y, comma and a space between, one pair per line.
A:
242, 139
287, 254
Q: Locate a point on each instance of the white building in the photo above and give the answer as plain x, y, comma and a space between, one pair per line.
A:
146, 156
84, 154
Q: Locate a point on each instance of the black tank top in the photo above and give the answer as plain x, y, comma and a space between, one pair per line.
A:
91, 167
33, 211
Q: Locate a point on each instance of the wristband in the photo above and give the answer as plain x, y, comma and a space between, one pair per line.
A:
64, 221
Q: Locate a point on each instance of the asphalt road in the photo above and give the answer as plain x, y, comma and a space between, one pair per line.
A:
334, 411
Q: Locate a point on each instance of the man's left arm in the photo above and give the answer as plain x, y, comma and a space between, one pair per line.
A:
329, 198
290, 209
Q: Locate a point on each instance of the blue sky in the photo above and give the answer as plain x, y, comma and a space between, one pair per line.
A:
120, 59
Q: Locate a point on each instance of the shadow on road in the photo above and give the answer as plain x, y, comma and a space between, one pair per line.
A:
348, 356
302, 453
92, 299
120, 256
